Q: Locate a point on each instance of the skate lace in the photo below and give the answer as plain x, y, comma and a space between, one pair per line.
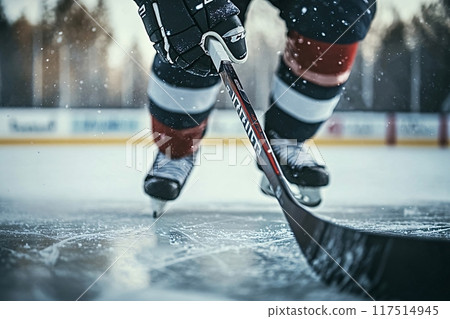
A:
176, 169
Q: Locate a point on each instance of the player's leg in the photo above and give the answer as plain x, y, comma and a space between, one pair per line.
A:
180, 104
320, 49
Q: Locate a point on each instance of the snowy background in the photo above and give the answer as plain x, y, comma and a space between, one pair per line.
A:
67, 60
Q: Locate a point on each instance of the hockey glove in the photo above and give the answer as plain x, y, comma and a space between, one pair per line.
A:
178, 29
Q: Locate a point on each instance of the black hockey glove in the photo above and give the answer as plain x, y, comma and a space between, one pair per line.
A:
178, 29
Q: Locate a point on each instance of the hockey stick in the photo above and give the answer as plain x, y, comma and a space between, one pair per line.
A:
380, 265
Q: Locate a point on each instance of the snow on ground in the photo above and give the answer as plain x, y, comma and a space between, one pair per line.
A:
69, 212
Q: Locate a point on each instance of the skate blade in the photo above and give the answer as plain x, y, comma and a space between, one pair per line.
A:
158, 206
308, 196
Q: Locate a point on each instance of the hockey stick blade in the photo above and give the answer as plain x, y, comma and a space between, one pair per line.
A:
379, 265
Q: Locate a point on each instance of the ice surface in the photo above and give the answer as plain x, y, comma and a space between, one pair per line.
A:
432, 220
70, 213
189, 254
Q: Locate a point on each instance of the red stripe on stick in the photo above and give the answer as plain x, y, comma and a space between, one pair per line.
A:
253, 122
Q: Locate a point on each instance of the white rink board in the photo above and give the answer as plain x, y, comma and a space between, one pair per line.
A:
31, 123
41, 123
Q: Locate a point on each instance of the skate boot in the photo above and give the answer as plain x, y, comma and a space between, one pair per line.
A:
166, 179
304, 174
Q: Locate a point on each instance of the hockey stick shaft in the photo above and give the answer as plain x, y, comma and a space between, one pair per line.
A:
243, 106
264, 154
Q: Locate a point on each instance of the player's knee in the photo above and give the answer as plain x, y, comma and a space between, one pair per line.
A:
308, 83
322, 63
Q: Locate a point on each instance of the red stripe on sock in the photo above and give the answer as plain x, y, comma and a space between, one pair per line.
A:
178, 143
306, 58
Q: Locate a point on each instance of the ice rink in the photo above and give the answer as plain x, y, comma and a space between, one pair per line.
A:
75, 223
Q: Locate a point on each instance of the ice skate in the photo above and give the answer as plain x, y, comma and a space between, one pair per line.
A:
166, 179
304, 174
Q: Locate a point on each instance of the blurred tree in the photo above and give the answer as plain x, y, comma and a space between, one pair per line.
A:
352, 98
393, 71
10, 58
81, 47
45, 32
5, 41
15, 61
63, 61
432, 31
134, 81
21, 76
